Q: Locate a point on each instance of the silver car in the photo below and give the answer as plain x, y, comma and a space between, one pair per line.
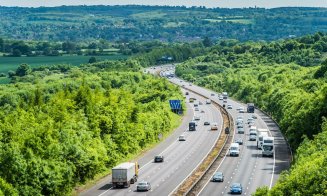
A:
143, 186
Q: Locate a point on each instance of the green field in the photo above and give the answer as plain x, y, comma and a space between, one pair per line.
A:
11, 63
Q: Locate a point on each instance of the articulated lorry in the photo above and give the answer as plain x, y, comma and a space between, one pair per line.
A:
261, 133
268, 147
124, 174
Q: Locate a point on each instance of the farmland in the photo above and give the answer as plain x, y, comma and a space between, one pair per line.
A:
11, 63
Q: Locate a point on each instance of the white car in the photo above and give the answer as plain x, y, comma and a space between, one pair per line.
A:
241, 110
196, 117
221, 98
229, 106
143, 186
214, 126
182, 138
196, 109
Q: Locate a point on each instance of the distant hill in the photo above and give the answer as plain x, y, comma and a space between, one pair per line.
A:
123, 23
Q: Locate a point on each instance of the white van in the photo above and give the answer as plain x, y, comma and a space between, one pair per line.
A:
234, 149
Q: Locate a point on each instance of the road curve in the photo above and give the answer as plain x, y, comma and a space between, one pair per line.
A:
181, 158
250, 168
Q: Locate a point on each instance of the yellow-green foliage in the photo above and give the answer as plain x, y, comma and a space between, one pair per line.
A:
66, 128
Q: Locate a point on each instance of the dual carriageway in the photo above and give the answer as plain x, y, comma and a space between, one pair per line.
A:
183, 157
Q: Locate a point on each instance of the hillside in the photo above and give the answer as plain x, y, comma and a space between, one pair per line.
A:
124, 23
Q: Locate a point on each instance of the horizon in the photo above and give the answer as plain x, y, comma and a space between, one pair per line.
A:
188, 3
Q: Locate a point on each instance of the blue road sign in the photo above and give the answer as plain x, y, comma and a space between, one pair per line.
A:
175, 104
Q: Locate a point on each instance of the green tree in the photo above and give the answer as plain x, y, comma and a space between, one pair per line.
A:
92, 60
23, 70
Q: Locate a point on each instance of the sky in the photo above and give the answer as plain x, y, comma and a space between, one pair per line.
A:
207, 3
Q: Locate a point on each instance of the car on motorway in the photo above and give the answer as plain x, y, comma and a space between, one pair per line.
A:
239, 141
239, 125
253, 135
200, 103
183, 85
214, 126
221, 97
212, 94
218, 177
234, 149
240, 130
254, 116
143, 186
195, 104
250, 119
158, 158
225, 101
182, 138
236, 188
196, 117
202, 111
181, 81
190, 84
229, 106
206, 123
241, 110
251, 124
186, 93
196, 109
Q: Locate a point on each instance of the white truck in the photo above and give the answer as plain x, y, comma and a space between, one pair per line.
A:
260, 134
268, 146
124, 174
208, 101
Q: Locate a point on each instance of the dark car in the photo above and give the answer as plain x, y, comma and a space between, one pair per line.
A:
206, 123
218, 177
186, 93
236, 188
158, 158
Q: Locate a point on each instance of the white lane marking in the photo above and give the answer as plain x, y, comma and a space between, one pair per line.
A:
221, 132
143, 166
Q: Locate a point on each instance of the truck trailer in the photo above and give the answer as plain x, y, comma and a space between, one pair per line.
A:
124, 174
250, 108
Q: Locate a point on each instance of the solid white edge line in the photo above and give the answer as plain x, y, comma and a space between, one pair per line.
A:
151, 161
221, 131
205, 185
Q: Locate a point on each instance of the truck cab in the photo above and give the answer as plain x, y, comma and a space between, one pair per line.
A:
250, 107
268, 147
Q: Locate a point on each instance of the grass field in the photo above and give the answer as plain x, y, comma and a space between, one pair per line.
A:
11, 63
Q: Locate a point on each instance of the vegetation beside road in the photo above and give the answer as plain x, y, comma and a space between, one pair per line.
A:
61, 127
288, 79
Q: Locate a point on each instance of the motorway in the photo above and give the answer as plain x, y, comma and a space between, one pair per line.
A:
250, 168
181, 157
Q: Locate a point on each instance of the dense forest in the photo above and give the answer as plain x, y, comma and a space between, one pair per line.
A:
288, 79
144, 23
61, 125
